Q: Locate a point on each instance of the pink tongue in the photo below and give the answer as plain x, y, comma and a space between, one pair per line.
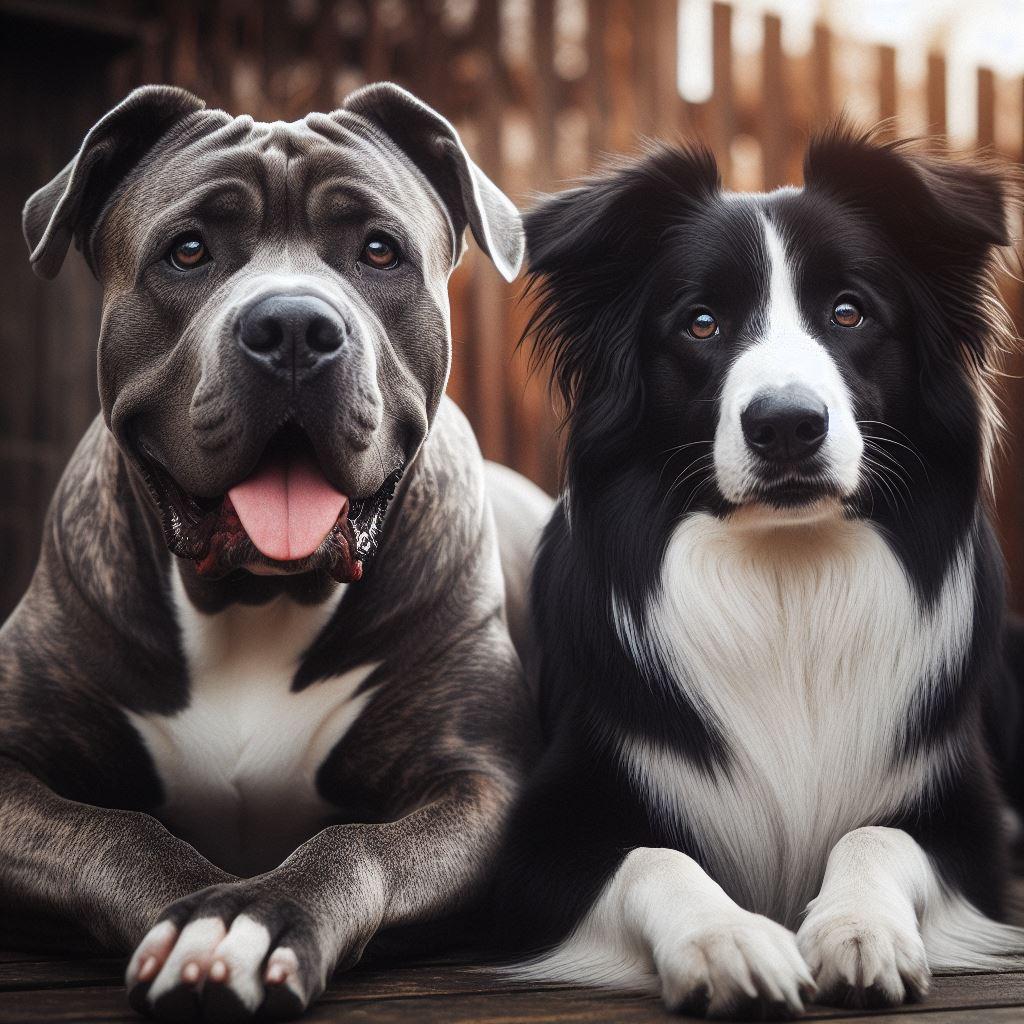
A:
287, 506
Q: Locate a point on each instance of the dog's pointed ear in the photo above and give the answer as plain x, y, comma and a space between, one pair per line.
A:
433, 145
66, 208
610, 213
929, 206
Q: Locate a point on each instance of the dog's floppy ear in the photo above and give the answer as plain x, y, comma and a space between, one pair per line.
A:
934, 209
434, 146
66, 208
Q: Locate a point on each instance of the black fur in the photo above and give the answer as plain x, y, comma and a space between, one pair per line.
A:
618, 266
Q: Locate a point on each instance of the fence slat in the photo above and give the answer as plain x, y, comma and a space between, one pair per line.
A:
774, 125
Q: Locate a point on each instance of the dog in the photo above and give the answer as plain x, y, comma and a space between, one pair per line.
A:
260, 701
769, 605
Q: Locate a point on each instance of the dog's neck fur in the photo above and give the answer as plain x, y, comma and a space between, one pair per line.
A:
808, 647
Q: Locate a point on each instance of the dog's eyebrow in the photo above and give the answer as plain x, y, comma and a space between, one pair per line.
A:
349, 199
227, 199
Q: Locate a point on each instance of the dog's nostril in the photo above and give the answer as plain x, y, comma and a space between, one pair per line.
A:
811, 428
263, 334
324, 335
763, 434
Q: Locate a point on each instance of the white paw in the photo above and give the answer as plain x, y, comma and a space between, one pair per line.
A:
864, 959
742, 966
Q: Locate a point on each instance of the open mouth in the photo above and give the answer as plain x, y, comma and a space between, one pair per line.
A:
285, 517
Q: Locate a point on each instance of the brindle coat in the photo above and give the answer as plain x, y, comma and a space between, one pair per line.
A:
96, 665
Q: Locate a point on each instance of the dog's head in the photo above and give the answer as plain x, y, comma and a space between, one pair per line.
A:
807, 352
275, 337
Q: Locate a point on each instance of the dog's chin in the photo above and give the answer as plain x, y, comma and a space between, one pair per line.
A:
209, 533
792, 497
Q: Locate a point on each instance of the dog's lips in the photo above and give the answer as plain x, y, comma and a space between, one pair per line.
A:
212, 532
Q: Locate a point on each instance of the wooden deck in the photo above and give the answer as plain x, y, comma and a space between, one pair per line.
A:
35, 989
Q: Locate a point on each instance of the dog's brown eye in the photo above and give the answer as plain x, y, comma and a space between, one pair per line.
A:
846, 314
703, 325
189, 251
380, 252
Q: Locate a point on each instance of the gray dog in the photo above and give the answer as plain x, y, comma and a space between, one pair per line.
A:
229, 743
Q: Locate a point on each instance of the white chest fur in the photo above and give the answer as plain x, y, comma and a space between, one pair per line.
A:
239, 763
806, 645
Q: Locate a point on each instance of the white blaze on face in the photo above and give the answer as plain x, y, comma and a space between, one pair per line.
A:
786, 354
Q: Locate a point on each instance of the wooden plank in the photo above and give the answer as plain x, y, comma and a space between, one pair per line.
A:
822, 85
487, 288
986, 133
887, 90
596, 82
107, 1003
622, 117
936, 100
667, 106
720, 113
773, 120
36, 974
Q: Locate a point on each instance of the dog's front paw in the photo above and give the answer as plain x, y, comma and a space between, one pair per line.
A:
744, 967
862, 959
228, 953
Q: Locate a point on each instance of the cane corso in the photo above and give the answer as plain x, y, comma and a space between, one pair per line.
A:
260, 700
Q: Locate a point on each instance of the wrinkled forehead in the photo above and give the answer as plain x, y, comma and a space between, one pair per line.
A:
286, 176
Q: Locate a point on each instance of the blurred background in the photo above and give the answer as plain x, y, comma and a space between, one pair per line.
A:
542, 90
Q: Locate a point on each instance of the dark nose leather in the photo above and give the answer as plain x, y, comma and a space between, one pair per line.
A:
785, 424
292, 336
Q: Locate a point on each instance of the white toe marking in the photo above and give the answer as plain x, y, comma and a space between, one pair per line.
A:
196, 944
157, 943
283, 969
243, 952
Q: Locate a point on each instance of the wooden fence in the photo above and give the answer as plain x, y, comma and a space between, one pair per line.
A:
541, 89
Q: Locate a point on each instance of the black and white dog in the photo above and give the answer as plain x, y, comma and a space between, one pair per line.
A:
769, 604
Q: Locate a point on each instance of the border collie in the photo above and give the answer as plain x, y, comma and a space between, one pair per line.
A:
769, 605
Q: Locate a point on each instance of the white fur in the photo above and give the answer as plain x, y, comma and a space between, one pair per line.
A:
238, 764
786, 354
195, 945
884, 917
805, 645
242, 951
663, 923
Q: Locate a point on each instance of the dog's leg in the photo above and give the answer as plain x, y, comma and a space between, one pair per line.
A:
662, 911
268, 944
883, 918
862, 935
110, 871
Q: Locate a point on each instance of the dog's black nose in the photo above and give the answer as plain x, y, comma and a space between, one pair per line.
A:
785, 425
291, 335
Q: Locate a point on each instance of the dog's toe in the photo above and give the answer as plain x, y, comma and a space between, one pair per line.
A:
229, 953
748, 968
865, 962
